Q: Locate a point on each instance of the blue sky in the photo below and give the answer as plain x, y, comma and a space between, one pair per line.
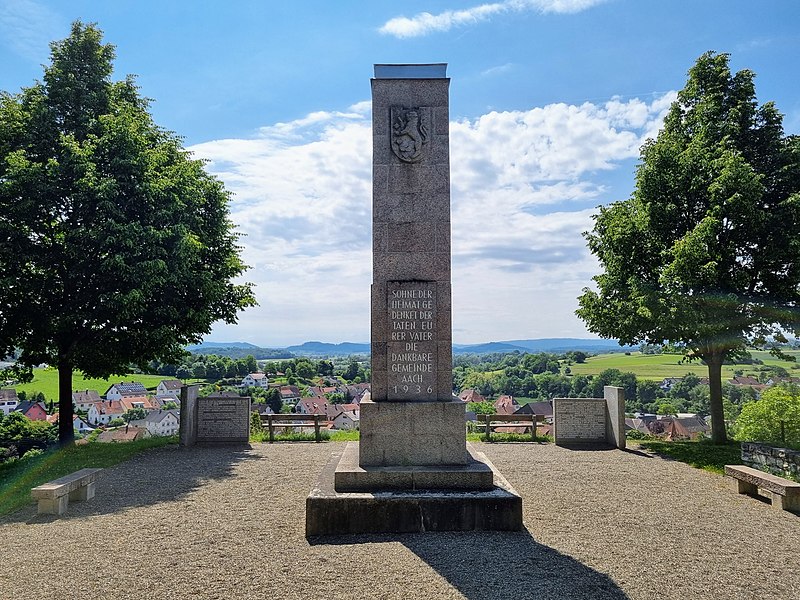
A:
550, 101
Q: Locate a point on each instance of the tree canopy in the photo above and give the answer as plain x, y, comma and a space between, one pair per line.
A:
706, 252
116, 247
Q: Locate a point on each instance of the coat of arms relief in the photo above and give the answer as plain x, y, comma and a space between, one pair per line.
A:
410, 132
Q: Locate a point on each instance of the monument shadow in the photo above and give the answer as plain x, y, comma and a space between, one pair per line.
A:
162, 475
498, 565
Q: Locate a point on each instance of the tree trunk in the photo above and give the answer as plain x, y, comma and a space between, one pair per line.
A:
718, 432
66, 433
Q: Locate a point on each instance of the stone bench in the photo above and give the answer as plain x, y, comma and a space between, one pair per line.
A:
784, 494
54, 496
292, 420
489, 421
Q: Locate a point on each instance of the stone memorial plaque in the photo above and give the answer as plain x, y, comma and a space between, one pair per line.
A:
223, 419
580, 419
412, 346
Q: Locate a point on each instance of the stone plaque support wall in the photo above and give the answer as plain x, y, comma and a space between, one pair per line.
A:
591, 421
213, 419
188, 424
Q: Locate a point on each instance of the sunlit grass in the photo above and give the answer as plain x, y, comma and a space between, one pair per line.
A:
701, 455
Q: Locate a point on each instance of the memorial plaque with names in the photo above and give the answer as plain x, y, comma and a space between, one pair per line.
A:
580, 419
223, 419
412, 346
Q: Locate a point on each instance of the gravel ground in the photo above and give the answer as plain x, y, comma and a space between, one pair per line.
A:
229, 523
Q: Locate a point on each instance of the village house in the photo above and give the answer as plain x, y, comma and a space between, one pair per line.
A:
169, 388
290, 394
122, 389
470, 395
81, 426
346, 420
320, 391
143, 402
159, 422
78, 424
35, 411
537, 408
105, 411
312, 406
505, 405
8, 401
83, 399
255, 380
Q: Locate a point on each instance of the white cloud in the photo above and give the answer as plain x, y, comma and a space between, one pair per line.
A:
27, 27
425, 23
523, 186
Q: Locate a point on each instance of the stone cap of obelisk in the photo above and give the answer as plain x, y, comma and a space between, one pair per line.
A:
411, 71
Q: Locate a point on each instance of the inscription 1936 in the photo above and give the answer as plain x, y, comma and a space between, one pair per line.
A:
411, 353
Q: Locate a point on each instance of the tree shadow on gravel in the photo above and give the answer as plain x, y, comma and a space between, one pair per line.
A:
498, 565
162, 475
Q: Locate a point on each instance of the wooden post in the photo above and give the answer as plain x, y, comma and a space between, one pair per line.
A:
487, 428
533, 427
271, 430
316, 428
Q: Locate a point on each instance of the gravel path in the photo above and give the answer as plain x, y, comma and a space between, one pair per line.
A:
227, 524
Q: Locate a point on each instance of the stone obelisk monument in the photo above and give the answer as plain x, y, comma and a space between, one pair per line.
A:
412, 469
413, 418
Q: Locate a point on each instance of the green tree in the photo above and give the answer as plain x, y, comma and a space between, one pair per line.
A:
199, 370
274, 400
760, 421
481, 408
251, 365
115, 246
134, 414
666, 408
706, 252
351, 372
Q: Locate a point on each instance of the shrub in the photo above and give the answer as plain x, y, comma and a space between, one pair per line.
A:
761, 420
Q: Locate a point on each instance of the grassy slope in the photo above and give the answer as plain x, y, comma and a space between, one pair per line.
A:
17, 478
701, 455
46, 381
659, 366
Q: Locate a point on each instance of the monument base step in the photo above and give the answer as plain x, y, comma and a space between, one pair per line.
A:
351, 477
331, 512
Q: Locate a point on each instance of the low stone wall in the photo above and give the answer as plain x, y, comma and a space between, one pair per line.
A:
779, 461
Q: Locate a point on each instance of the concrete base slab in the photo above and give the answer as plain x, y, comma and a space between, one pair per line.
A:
350, 476
329, 512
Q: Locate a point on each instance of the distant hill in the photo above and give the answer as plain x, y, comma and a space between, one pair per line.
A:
239, 350
205, 345
325, 349
556, 345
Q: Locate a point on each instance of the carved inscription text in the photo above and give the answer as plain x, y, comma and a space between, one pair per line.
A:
412, 348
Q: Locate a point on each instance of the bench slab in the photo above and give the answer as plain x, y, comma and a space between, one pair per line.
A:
54, 496
784, 494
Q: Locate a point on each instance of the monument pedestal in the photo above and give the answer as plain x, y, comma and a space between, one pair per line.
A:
412, 433
410, 499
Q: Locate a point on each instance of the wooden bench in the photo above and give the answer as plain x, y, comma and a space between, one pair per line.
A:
489, 421
784, 494
54, 496
292, 420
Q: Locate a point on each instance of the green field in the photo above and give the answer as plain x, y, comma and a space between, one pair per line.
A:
659, 366
46, 381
